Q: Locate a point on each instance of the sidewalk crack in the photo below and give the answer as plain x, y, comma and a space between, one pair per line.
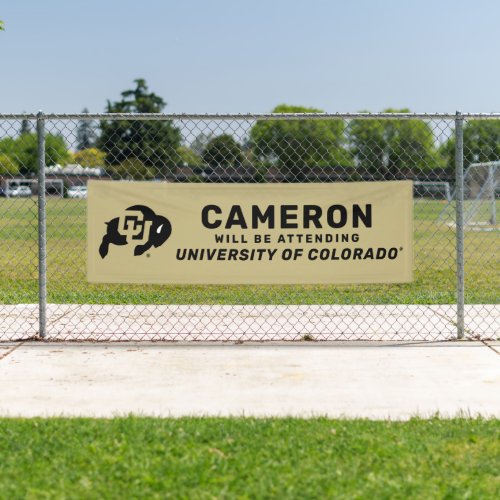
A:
493, 348
10, 351
467, 331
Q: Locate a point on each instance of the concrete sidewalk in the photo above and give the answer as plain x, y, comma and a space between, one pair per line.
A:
394, 381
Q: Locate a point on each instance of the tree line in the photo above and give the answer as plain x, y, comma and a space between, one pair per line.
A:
155, 149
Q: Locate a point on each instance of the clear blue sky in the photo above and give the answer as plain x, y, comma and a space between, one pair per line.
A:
249, 56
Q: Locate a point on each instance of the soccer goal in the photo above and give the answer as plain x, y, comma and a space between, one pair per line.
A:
434, 190
481, 197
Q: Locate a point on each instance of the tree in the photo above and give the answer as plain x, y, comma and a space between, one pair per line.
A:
2, 26
91, 157
23, 150
132, 169
86, 134
293, 145
369, 144
189, 157
481, 144
200, 142
7, 165
385, 148
153, 143
223, 151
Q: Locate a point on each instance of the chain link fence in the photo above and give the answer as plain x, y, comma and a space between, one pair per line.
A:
47, 160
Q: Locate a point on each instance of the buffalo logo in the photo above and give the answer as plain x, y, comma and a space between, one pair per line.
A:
139, 225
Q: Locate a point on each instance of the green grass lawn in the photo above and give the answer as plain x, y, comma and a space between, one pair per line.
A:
434, 250
249, 458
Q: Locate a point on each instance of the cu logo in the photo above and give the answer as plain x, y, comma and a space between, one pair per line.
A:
139, 226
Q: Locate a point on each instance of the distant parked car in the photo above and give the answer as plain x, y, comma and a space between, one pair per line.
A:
77, 192
19, 191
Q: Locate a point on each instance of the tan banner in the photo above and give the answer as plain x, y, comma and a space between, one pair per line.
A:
149, 232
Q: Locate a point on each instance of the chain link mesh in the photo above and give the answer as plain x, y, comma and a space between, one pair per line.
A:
244, 149
18, 230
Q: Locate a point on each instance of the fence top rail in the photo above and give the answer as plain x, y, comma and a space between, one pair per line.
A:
248, 116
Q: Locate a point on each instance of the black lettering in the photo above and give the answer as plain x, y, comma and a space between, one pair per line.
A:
286, 216
365, 217
358, 254
204, 216
393, 253
312, 213
346, 254
267, 216
236, 218
330, 216
324, 254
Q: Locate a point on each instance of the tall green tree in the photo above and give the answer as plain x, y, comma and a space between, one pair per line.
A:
86, 134
131, 169
369, 144
23, 150
223, 151
294, 145
7, 165
90, 157
386, 148
153, 143
189, 157
481, 143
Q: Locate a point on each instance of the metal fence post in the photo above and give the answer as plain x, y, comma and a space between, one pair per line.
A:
459, 200
42, 228
491, 177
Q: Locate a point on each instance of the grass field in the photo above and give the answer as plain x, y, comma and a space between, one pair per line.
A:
249, 458
434, 249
